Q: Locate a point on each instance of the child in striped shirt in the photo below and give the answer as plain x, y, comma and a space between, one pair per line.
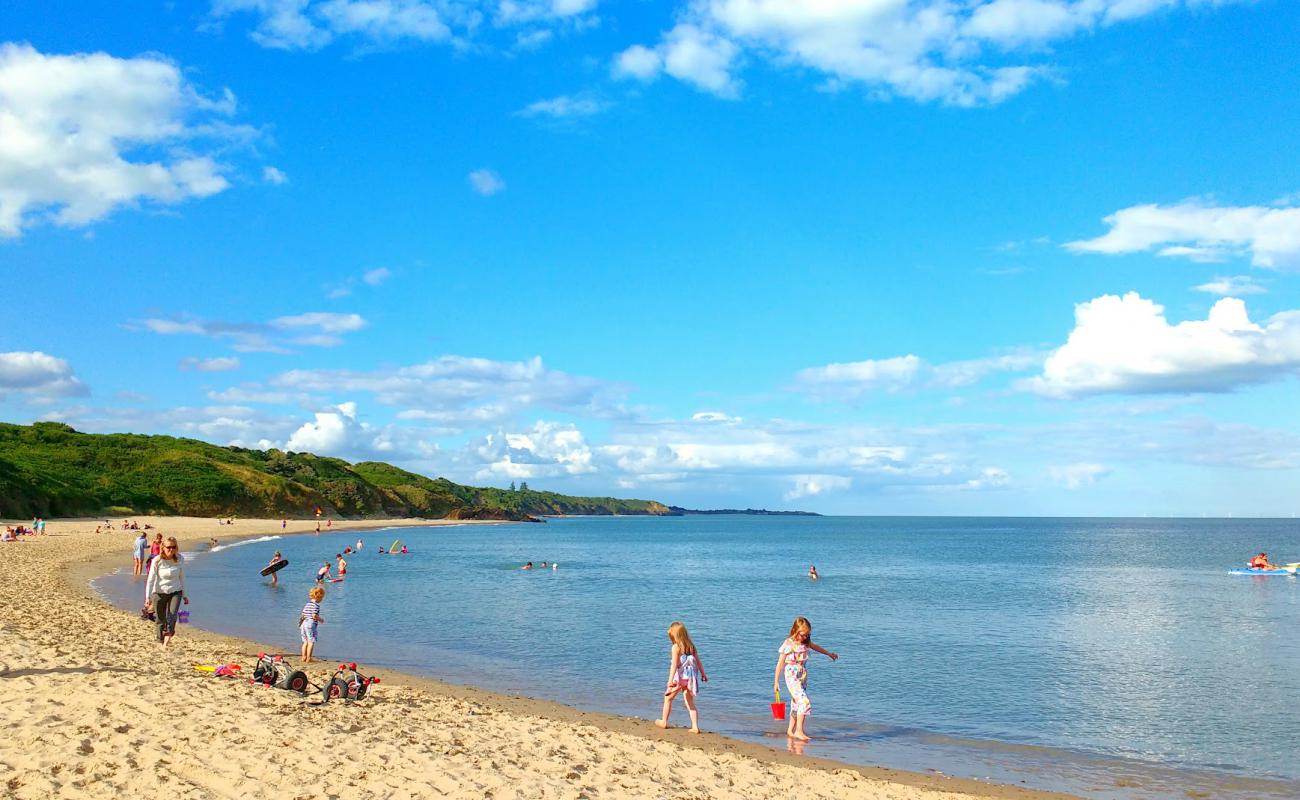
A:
308, 620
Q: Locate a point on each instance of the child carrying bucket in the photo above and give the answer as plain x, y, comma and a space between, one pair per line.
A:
685, 671
792, 659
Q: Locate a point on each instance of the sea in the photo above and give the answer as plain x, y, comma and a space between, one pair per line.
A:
1113, 658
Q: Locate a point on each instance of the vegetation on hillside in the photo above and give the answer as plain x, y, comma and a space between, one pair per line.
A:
49, 469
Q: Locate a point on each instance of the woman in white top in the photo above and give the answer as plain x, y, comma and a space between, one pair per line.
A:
165, 589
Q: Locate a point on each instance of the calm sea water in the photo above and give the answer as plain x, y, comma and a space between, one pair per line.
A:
1111, 657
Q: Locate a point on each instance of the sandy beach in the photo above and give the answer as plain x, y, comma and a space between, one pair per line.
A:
94, 708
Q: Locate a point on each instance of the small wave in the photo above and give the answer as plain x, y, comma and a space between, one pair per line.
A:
242, 542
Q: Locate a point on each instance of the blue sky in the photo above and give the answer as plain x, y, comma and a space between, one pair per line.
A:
865, 256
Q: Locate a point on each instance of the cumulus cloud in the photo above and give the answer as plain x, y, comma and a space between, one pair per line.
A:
565, 107
313, 329
854, 380
37, 374
82, 135
221, 364
1232, 286
927, 50
548, 449
1201, 231
486, 182
1077, 476
1126, 345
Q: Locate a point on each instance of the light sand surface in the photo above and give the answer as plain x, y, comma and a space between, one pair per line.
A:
92, 707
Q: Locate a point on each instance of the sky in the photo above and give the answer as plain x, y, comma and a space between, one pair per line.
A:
988, 257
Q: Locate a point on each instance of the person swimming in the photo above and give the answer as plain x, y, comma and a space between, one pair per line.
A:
812, 572
529, 565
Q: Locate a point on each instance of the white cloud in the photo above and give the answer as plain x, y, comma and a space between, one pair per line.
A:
82, 135
958, 53
857, 378
716, 417
314, 329
1126, 345
455, 390
1076, 476
371, 277
327, 321
638, 61
37, 374
274, 176
813, 485
1201, 231
374, 277
689, 53
1232, 286
486, 182
525, 11
221, 364
548, 449
313, 24
854, 380
565, 107
309, 24
988, 478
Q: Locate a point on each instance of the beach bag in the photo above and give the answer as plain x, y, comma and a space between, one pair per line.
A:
346, 684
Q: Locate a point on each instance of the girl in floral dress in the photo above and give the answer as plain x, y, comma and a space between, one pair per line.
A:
792, 660
685, 672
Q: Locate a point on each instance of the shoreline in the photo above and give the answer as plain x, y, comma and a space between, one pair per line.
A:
758, 764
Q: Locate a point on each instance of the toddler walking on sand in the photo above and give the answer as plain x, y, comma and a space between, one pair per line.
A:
792, 659
308, 621
685, 671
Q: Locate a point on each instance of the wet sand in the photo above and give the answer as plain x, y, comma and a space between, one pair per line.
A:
95, 708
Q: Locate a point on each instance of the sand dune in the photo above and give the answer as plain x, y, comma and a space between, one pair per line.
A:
92, 708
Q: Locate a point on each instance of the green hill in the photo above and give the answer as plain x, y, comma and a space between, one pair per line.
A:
49, 469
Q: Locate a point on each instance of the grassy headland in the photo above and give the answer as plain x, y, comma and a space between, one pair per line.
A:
49, 469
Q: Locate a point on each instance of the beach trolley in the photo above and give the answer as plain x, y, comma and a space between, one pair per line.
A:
272, 671
346, 684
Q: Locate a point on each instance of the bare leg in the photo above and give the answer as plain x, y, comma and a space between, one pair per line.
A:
798, 728
662, 722
689, 699
310, 646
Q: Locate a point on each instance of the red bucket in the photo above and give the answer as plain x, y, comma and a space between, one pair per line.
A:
778, 708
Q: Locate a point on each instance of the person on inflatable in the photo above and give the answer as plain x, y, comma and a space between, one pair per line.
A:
1261, 562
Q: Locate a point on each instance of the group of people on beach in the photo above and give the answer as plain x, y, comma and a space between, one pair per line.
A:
11, 533
686, 673
127, 525
165, 595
